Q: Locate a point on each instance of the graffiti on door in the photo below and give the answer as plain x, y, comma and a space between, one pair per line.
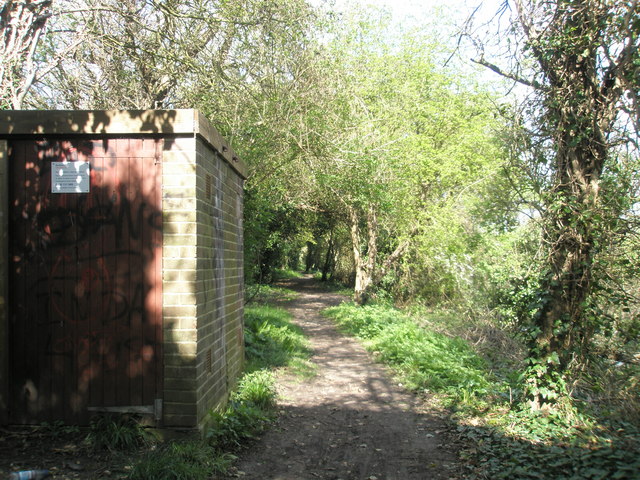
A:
86, 278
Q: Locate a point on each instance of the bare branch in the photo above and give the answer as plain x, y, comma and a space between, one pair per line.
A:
508, 75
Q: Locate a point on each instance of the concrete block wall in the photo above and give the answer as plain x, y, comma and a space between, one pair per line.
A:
180, 292
220, 343
233, 248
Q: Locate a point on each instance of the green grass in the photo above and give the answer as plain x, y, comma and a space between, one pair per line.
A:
58, 429
116, 432
333, 286
190, 460
504, 438
248, 413
268, 294
285, 274
422, 359
258, 389
271, 340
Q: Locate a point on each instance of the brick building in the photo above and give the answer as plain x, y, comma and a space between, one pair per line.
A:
121, 271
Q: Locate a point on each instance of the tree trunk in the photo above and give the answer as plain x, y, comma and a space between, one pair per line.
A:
581, 95
310, 258
326, 266
563, 324
570, 239
367, 271
22, 25
364, 265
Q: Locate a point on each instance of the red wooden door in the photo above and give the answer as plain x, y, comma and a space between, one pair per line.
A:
85, 279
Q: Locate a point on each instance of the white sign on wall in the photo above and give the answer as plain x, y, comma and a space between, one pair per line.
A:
70, 177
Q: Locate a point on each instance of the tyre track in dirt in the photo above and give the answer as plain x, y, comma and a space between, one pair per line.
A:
351, 421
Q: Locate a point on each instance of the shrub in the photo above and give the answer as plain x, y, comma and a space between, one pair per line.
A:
249, 411
193, 460
116, 432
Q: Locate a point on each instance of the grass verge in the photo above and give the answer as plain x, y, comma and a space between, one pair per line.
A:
271, 341
502, 437
187, 460
286, 274
249, 411
268, 295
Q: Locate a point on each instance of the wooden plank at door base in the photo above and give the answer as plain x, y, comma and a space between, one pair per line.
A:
155, 409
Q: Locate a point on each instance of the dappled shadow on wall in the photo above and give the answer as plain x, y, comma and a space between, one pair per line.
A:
85, 276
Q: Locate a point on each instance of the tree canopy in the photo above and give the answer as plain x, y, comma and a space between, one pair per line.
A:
378, 158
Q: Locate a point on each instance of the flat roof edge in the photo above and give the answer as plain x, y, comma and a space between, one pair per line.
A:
118, 122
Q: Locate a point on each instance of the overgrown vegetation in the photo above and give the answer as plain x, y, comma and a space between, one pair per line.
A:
271, 341
117, 432
504, 438
379, 159
249, 411
424, 360
261, 294
246, 415
187, 460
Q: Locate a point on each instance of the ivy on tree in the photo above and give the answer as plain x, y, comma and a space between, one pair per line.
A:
586, 76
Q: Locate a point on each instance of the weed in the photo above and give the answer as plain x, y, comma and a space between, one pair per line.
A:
264, 294
249, 411
333, 286
116, 432
59, 429
504, 456
257, 388
285, 274
192, 460
271, 340
508, 439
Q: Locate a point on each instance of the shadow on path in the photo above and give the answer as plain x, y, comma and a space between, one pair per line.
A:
351, 421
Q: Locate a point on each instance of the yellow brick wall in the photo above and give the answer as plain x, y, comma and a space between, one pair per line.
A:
202, 280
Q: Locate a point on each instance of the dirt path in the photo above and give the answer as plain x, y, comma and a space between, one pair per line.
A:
349, 422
